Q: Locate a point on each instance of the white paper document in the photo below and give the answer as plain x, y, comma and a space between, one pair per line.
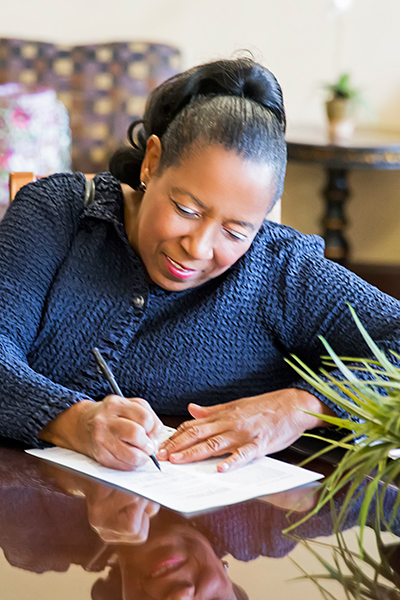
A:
193, 487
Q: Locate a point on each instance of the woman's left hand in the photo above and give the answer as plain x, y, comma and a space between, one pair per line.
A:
247, 428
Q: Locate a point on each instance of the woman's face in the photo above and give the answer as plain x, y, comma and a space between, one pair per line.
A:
198, 218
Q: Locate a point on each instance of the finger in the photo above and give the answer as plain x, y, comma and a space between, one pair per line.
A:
301, 499
143, 533
101, 507
158, 424
135, 514
204, 411
132, 524
134, 409
155, 433
213, 446
198, 411
141, 401
240, 457
119, 455
129, 525
188, 434
133, 434
152, 509
108, 459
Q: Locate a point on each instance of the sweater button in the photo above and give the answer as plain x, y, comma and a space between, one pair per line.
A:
138, 301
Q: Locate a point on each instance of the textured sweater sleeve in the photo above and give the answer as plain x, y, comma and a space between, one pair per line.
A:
313, 295
35, 236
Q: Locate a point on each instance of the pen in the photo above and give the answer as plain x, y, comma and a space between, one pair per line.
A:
106, 371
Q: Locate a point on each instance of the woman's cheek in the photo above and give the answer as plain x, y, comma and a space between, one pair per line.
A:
172, 226
226, 257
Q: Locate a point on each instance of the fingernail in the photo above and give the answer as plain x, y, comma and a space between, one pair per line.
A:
225, 466
162, 453
177, 456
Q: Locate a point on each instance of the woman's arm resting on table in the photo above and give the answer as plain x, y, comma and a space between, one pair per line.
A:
247, 428
119, 433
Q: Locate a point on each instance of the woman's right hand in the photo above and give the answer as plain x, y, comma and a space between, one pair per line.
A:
120, 433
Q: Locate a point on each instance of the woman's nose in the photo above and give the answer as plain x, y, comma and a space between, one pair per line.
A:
199, 243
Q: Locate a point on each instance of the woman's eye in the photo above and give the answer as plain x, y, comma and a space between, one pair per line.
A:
183, 210
236, 236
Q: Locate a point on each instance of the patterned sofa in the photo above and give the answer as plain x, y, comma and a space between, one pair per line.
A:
103, 86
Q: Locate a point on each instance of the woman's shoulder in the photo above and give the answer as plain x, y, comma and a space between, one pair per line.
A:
53, 186
276, 237
276, 253
276, 246
50, 206
56, 194
65, 195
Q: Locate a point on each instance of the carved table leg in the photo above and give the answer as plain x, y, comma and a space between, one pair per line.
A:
335, 193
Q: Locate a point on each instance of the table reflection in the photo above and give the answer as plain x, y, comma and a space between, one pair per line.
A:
362, 574
51, 518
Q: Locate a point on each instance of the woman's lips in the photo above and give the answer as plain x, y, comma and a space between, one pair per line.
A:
178, 270
167, 566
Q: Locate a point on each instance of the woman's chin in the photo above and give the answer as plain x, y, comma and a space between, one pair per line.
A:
172, 284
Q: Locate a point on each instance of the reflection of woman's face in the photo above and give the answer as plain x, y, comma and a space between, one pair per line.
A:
176, 564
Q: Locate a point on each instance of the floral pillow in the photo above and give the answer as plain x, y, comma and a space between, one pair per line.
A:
34, 133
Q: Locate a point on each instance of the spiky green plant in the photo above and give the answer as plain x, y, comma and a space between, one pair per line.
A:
374, 418
362, 576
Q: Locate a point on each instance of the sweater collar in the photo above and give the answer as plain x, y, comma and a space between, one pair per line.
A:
108, 203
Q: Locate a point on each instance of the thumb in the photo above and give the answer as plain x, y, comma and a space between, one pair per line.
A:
198, 412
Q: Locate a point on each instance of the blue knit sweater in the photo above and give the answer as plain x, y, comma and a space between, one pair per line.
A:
69, 281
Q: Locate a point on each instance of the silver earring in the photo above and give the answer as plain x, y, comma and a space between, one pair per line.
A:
225, 564
142, 187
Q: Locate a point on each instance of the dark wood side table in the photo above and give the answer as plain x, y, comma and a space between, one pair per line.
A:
368, 149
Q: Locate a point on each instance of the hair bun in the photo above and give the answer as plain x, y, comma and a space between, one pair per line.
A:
241, 77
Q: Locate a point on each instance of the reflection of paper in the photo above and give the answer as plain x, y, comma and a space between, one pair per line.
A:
394, 453
193, 487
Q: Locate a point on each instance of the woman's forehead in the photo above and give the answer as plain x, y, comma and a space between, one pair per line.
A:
213, 175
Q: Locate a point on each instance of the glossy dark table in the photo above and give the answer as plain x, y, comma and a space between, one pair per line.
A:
66, 536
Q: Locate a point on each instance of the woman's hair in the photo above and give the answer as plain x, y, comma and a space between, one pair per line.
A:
236, 104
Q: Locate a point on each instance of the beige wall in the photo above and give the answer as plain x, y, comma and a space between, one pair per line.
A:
298, 41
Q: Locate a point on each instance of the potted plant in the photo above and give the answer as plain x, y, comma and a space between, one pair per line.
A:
372, 401
340, 109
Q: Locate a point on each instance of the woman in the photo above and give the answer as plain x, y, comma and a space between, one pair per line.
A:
192, 296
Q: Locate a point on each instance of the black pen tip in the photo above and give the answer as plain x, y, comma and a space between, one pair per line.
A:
155, 461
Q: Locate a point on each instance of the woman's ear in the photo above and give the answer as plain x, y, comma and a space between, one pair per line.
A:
151, 158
